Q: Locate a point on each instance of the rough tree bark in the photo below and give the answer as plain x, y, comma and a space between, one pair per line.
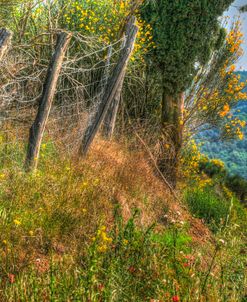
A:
172, 128
111, 89
38, 127
5, 38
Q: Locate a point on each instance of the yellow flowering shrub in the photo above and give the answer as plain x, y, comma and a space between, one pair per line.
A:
106, 19
217, 163
235, 39
200, 171
102, 19
190, 166
221, 90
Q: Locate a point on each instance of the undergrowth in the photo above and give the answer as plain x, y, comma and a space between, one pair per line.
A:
205, 204
65, 236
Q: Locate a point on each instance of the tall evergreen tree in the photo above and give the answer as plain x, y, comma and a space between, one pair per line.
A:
185, 34
243, 9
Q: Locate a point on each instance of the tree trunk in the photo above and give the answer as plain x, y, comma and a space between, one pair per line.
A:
38, 127
172, 129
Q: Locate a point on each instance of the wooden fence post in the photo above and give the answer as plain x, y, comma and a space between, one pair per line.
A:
5, 38
37, 130
111, 88
111, 115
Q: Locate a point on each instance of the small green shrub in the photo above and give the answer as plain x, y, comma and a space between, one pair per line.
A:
205, 204
238, 185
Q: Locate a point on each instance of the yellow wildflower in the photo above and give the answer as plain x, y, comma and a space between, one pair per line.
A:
102, 248
17, 222
125, 241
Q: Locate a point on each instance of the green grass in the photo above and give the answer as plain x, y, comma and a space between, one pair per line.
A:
128, 263
63, 238
206, 205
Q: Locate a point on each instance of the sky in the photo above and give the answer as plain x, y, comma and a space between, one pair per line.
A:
234, 13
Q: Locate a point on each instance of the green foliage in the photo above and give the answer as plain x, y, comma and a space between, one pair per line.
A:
131, 262
238, 185
216, 170
205, 204
212, 168
233, 154
185, 34
7, 7
97, 18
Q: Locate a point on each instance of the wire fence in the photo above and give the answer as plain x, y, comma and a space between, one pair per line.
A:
83, 78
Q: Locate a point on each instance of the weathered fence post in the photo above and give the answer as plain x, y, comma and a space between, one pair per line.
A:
105, 76
111, 88
5, 38
49, 89
111, 115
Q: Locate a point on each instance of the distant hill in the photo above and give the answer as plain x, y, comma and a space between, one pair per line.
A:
233, 153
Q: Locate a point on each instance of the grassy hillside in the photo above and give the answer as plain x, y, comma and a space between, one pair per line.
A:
107, 229
104, 196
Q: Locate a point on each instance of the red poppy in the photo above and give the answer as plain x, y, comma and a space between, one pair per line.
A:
191, 258
175, 299
131, 269
11, 278
101, 287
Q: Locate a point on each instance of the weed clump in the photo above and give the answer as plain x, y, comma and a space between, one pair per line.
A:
206, 205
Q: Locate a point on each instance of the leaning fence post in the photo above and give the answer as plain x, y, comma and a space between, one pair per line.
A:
5, 38
37, 130
111, 115
111, 88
